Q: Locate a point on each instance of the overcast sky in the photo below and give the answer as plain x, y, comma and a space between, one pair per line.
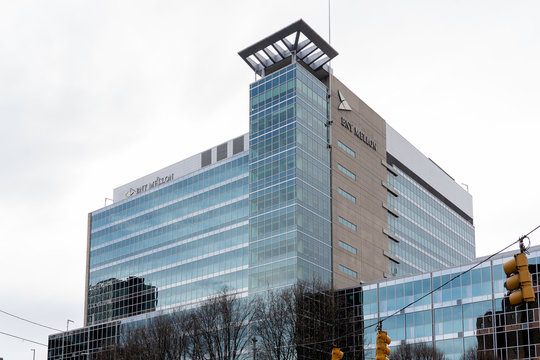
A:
94, 94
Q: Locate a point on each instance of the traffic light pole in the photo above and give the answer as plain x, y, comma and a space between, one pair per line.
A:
383, 340
519, 281
521, 245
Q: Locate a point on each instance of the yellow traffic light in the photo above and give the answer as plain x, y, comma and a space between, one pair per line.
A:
383, 340
337, 354
519, 281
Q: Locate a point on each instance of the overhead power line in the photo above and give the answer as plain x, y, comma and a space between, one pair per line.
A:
455, 277
21, 338
530, 232
30, 321
438, 288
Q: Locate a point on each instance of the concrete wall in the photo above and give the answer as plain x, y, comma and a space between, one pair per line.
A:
428, 171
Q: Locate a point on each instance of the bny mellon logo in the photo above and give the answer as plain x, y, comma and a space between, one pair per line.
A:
343, 105
130, 192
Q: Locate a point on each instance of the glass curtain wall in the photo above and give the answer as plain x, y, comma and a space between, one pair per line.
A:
171, 246
289, 180
470, 313
433, 235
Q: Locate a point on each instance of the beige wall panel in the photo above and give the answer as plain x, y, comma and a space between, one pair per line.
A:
367, 213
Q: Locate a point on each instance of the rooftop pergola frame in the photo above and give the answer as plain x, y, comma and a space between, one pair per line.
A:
297, 41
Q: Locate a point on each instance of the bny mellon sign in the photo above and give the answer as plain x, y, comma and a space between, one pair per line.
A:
157, 182
359, 134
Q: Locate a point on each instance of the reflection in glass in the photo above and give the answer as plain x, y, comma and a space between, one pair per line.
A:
113, 299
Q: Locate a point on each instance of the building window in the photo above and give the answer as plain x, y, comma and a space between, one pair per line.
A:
348, 271
238, 145
221, 152
347, 195
347, 172
347, 149
347, 247
347, 223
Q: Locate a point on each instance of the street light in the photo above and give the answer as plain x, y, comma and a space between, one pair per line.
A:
34, 354
64, 336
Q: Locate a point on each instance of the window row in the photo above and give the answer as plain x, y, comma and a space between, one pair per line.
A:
347, 247
347, 195
347, 223
347, 149
348, 271
347, 172
172, 212
178, 189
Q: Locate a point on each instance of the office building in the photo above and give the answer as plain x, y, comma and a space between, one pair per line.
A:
469, 314
321, 188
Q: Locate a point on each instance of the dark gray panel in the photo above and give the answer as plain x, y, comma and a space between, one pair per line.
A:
314, 51
238, 145
206, 158
222, 152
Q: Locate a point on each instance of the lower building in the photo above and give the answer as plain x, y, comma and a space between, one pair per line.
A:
468, 315
84, 343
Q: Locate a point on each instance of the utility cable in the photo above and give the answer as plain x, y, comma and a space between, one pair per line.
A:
29, 321
446, 283
530, 232
455, 277
23, 339
441, 286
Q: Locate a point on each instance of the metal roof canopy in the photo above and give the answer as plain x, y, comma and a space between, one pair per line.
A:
308, 46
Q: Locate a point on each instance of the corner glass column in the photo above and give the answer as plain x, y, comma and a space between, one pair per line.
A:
289, 180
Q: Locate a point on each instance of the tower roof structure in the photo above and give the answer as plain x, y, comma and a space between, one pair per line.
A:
297, 39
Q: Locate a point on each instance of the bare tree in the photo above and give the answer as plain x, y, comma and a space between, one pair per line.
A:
163, 337
402, 352
160, 338
421, 351
299, 322
274, 324
220, 328
475, 354
217, 330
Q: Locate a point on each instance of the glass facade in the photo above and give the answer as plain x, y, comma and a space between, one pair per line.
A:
432, 235
82, 344
289, 180
469, 313
171, 246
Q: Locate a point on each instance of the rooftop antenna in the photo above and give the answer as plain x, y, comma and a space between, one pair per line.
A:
329, 31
